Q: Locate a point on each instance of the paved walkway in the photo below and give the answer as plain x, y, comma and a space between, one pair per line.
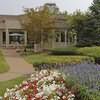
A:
18, 66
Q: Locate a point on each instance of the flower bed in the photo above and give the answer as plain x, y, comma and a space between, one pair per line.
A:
86, 73
43, 85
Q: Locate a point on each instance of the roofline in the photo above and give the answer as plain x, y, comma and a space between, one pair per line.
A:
8, 15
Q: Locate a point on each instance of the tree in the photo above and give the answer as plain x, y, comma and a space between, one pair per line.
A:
31, 24
36, 22
86, 25
95, 19
75, 24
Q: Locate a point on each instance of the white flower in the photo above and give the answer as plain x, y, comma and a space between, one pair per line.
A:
50, 78
16, 86
48, 82
59, 93
71, 97
24, 82
5, 95
64, 97
39, 94
7, 90
1, 98
26, 87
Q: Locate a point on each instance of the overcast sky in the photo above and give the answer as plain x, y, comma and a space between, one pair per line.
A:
16, 6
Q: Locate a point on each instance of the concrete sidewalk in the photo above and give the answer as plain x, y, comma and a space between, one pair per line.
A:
18, 66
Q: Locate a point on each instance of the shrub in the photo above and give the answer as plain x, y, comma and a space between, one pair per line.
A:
64, 51
85, 43
45, 58
82, 92
92, 52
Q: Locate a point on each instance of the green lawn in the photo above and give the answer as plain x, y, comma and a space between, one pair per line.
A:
83, 54
4, 67
9, 84
45, 58
90, 51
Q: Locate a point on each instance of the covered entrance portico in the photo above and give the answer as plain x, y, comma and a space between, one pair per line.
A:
11, 31
13, 37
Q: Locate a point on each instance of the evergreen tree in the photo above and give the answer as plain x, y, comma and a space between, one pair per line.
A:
95, 20
90, 33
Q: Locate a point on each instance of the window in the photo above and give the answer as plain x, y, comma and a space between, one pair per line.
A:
62, 37
4, 37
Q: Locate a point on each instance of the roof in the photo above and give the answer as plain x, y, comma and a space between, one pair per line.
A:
10, 16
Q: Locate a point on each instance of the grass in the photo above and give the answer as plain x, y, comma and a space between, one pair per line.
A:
90, 51
4, 67
9, 84
45, 58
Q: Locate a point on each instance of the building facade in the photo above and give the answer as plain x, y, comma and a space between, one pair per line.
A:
62, 37
11, 31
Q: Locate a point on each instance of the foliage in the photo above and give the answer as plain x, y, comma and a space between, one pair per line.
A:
64, 51
86, 25
95, 18
86, 73
90, 51
91, 28
81, 92
45, 58
85, 94
35, 22
9, 84
76, 24
4, 67
42, 85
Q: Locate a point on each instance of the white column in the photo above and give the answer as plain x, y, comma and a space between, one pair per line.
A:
65, 37
59, 37
68, 38
60, 44
75, 39
25, 38
7, 37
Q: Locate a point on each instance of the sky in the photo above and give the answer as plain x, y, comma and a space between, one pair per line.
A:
15, 7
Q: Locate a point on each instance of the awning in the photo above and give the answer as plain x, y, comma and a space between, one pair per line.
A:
16, 34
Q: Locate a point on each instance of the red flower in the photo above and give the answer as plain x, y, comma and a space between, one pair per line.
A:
35, 91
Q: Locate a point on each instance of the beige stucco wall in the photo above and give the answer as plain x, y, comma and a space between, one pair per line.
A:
13, 24
10, 22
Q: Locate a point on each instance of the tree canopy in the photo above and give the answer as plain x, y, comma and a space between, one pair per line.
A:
86, 25
36, 21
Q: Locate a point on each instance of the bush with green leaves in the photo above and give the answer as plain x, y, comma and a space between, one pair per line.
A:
64, 51
82, 92
91, 52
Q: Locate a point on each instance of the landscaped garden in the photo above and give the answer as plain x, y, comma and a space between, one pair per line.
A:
76, 63
49, 85
46, 58
91, 52
9, 84
4, 67
68, 73
82, 75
